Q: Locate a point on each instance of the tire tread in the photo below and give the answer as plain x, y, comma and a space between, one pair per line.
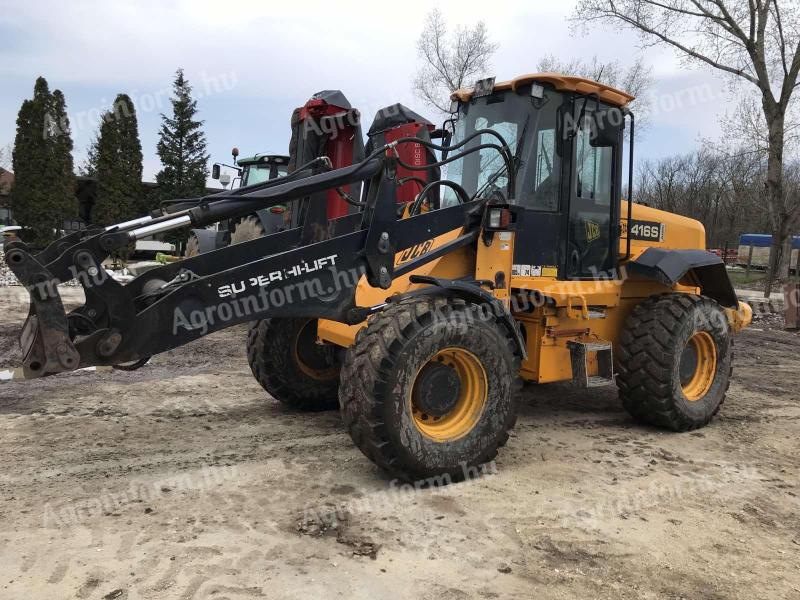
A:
644, 361
373, 355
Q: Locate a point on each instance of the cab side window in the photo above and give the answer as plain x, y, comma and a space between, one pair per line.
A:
547, 172
593, 170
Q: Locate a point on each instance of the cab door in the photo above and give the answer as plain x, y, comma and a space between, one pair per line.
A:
592, 197
538, 247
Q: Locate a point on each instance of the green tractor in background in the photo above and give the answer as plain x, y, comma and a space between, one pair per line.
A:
249, 171
326, 130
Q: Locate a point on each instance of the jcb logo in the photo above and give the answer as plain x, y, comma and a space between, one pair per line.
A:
415, 251
592, 231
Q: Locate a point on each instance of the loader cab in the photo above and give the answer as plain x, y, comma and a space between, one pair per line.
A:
567, 146
262, 167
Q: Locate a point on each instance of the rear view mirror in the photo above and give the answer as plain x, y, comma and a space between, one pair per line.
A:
447, 139
215, 171
607, 126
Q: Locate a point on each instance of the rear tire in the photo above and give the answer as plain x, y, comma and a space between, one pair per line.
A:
430, 397
675, 359
288, 363
249, 228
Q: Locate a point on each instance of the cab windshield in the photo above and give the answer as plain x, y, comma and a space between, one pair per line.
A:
255, 174
528, 126
259, 173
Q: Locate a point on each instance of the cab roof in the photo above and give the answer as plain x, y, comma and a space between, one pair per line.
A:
562, 83
279, 159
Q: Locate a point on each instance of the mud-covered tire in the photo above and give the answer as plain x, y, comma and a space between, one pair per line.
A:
653, 373
290, 366
192, 247
249, 228
386, 360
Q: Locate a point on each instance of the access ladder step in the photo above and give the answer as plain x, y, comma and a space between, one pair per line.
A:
581, 353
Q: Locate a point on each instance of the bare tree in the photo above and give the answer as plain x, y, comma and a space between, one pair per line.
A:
450, 62
721, 189
756, 42
5, 157
637, 79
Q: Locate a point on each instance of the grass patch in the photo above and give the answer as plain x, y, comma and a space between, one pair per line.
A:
755, 280
739, 278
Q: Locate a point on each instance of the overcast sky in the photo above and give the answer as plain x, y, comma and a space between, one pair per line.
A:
252, 63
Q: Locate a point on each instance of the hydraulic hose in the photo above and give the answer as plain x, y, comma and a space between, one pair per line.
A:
418, 180
462, 194
503, 149
509, 164
466, 140
348, 198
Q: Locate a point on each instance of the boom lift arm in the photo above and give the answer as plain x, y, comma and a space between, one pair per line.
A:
274, 276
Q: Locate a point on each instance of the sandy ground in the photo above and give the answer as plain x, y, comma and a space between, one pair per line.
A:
183, 480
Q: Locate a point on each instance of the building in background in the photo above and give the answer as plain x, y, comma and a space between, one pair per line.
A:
6, 181
85, 195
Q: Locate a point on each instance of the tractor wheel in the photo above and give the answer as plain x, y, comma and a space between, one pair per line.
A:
249, 228
289, 364
192, 247
674, 360
430, 389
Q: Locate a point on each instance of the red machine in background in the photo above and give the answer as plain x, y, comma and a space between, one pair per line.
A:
395, 122
327, 125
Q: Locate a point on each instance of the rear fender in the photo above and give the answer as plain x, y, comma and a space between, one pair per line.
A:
701, 268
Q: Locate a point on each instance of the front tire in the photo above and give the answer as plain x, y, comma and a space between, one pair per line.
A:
430, 388
675, 360
288, 363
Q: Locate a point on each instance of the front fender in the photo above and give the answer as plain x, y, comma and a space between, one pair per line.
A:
468, 290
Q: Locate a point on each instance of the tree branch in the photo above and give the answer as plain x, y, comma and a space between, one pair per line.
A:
636, 23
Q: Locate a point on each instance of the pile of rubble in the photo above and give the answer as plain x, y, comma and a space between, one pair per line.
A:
769, 320
6, 276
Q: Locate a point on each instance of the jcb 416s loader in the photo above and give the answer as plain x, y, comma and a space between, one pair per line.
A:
520, 262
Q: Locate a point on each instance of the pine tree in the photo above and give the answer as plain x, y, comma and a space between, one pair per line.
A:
182, 146
43, 195
65, 204
118, 165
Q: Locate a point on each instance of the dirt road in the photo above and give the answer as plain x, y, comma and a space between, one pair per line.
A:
183, 480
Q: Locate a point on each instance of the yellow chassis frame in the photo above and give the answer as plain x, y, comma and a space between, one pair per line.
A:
551, 311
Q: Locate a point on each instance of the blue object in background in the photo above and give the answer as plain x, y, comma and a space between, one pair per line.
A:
763, 240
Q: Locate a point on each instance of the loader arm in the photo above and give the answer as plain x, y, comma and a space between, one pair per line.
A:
274, 276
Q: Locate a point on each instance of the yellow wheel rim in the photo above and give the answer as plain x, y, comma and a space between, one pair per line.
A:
702, 356
303, 338
473, 389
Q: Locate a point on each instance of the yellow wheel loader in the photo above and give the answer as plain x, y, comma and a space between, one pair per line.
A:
519, 262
